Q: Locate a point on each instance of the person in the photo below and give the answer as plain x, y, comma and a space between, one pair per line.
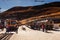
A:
32, 26
38, 26
43, 27
1, 26
47, 27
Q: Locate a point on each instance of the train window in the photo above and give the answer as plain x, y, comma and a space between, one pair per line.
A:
13, 22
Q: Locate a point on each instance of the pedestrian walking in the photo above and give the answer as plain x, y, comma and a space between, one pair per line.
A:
43, 27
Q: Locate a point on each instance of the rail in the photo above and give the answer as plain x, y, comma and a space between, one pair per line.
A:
5, 36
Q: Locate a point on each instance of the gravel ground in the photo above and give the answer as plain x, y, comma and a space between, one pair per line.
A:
29, 34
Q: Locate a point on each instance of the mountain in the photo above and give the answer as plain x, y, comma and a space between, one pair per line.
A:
31, 11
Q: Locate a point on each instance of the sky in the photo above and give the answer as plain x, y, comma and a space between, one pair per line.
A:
7, 4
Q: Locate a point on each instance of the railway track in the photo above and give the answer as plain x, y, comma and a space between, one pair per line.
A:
5, 36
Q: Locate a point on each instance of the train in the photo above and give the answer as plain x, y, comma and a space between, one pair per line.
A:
11, 25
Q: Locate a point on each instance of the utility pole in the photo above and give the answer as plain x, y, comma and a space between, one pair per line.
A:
0, 10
